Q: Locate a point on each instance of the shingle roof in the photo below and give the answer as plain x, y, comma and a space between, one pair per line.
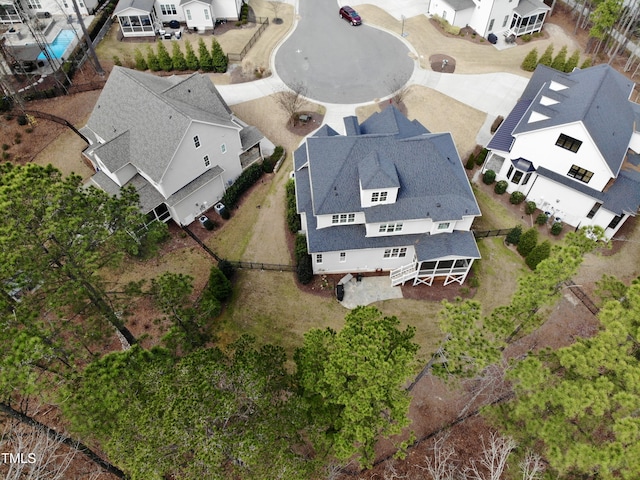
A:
527, 7
156, 112
597, 96
502, 140
144, 5
376, 172
148, 197
459, 5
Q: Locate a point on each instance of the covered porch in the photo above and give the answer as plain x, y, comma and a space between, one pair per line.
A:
136, 18
528, 17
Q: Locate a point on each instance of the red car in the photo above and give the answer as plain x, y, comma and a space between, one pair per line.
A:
350, 15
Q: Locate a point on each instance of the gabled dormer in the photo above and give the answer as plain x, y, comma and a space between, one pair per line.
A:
379, 182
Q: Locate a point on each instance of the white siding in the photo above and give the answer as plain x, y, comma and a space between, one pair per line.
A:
366, 260
196, 14
324, 221
367, 195
227, 9
179, 15
408, 227
195, 204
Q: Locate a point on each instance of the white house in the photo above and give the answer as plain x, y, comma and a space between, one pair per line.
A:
387, 196
500, 17
17, 11
143, 18
173, 139
570, 145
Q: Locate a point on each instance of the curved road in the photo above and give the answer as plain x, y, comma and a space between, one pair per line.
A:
340, 63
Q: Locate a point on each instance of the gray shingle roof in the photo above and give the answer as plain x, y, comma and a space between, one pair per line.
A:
376, 172
196, 184
459, 5
144, 5
149, 197
250, 136
597, 96
156, 111
430, 174
528, 7
502, 140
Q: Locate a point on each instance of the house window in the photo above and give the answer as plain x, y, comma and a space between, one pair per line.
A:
594, 210
206, 14
568, 143
491, 24
580, 174
444, 226
169, 9
223, 148
526, 178
196, 141
343, 257
517, 177
614, 223
33, 4
188, 12
318, 258
506, 19
343, 218
390, 227
206, 161
378, 197
395, 252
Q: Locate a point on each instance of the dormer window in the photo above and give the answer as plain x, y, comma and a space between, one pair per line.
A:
378, 197
343, 218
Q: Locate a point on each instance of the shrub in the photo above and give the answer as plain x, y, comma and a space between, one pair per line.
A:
219, 286
547, 57
141, 63
539, 253
22, 120
480, 158
152, 60
513, 237
117, 61
489, 177
177, 57
300, 247
190, 56
246, 179
501, 187
5, 147
293, 219
542, 219
218, 57
560, 59
530, 61
209, 224
5, 104
277, 153
556, 228
516, 198
530, 207
587, 63
28, 130
224, 213
206, 62
304, 270
227, 269
164, 59
471, 162
526, 38
6, 155
527, 242
496, 123
267, 165
572, 62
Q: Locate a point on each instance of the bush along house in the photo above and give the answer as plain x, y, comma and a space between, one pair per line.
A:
570, 146
386, 196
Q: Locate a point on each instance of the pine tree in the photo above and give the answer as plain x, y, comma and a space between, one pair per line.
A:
152, 60
206, 62
164, 59
547, 57
218, 57
587, 63
530, 61
177, 57
528, 241
190, 57
540, 252
560, 59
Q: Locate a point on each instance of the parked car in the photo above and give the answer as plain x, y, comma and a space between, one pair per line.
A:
350, 15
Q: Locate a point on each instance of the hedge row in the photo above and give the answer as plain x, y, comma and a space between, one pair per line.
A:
293, 219
246, 179
559, 62
304, 265
207, 61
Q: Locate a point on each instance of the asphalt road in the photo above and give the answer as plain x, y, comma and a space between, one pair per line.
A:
340, 63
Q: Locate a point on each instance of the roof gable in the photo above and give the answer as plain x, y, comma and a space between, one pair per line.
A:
376, 172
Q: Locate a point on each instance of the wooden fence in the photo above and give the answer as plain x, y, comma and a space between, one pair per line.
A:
53, 118
238, 57
583, 297
491, 233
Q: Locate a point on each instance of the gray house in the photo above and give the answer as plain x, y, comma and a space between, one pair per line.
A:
173, 139
387, 196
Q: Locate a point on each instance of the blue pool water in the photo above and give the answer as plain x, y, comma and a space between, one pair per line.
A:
59, 44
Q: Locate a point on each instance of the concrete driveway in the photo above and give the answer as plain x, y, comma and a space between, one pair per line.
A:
340, 63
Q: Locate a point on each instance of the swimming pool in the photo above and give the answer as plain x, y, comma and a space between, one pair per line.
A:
59, 45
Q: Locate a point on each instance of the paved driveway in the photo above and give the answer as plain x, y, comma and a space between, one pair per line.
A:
339, 63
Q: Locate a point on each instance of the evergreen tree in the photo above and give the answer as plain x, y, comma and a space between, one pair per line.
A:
530, 61
353, 382
141, 63
560, 60
540, 252
513, 237
177, 57
528, 241
218, 58
547, 57
205, 60
152, 60
587, 63
572, 62
190, 57
164, 59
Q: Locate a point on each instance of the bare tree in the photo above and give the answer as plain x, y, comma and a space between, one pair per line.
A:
292, 100
494, 458
441, 466
531, 466
275, 6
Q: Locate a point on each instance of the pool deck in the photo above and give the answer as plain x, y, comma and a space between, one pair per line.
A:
19, 35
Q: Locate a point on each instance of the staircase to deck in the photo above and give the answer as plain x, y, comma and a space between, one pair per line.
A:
402, 274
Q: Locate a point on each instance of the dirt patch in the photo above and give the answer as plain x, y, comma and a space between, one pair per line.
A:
442, 63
